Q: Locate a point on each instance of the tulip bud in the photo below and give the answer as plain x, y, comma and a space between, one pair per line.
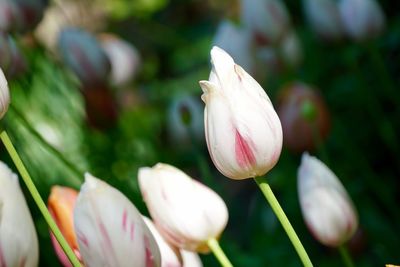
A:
236, 41
124, 58
243, 131
18, 239
61, 204
81, 52
362, 19
20, 15
326, 206
170, 256
185, 120
268, 20
110, 230
186, 212
324, 18
4, 95
290, 49
304, 115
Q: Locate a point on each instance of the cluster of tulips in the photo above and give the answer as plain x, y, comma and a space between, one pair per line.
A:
99, 226
104, 228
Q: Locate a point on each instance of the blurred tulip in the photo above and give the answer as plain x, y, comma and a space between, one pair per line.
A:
5, 51
18, 239
243, 131
191, 259
236, 41
185, 120
61, 205
186, 212
87, 15
124, 58
20, 15
362, 19
101, 108
110, 230
324, 18
81, 52
327, 209
4, 95
18, 63
291, 50
170, 256
304, 115
268, 20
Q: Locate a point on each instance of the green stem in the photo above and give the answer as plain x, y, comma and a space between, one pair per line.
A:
219, 253
276, 207
36, 197
48, 146
348, 262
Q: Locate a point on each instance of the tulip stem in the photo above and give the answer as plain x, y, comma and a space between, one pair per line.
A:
348, 261
276, 207
38, 200
48, 146
218, 252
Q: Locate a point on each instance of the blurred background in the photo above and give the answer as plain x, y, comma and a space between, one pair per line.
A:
113, 86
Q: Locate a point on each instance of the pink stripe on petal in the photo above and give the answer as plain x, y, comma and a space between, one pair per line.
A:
149, 255
132, 231
244, 155
124, 219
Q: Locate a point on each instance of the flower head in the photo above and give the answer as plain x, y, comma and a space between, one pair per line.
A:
110, 230
243, 131
186, 212
18, 239
327, 209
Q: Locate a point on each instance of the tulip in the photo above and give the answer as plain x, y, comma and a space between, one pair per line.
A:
304, 115
362, 19
20, 15
4, 95
290, 49
185, 120
326, 206
236, 41
124, 58
324, 18
110, 230
268, 20
187, 213
18, 239
61, 204
243, 131
81, 52
170, 256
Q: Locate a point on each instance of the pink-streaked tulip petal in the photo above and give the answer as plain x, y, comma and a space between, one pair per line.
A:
4, 95
110, 229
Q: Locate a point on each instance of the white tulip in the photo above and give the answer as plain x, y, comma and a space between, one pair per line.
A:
327, 209
268, 20
18, 239
362, 19
324, 18
235, 40
243, 131
110, 230
186, 212
4, 95
124, 58
185, 120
